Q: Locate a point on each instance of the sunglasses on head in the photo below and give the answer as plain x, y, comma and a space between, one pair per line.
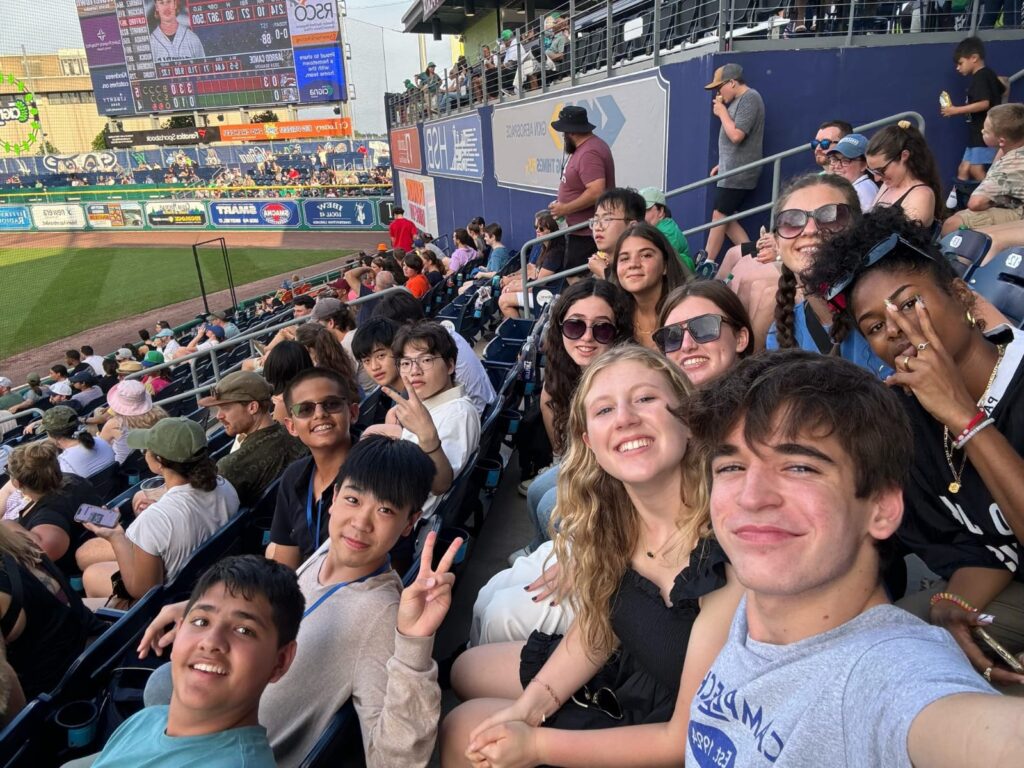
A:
307, 408
879, 251
822, 143
602, 331
702, 328
830, 218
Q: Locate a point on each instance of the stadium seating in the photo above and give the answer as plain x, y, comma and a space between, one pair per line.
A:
1001, 281
965, 248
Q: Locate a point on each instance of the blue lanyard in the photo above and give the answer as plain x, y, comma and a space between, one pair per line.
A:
383, 569
314, 532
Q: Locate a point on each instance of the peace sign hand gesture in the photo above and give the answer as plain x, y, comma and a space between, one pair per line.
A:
425, 602
411, 414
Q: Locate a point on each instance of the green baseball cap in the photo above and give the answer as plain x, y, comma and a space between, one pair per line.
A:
652, 195
175, 439
60, 418
506, 34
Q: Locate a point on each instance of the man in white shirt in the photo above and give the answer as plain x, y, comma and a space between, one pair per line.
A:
166, 343
93, 360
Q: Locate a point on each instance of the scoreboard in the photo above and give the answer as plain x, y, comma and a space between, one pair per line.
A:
150, 56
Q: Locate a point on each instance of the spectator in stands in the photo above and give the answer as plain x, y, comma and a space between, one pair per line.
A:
899, 158
93, 360
132, 408
128, 367
144, 336
122, 354
402, 230
74, 362
9, 399
616, 209
550, 260
644, 266
286, 361
465, 251
81, 453
87, 391
487, 70
59, 372
415, 280
207, 337
195, 504
29, 398
262, 448
365, 281
632, 525
219, 319
999, 199
704, 330
433, 267
740, 142
326, 352
162, 325
984, 92
556, 44
846, 158
157, 381
49, 501
499, 254
589, 172
109, 377
171, 38
389, 262
961, 382
828, 135
430, 245
469, 371
476, 231
658, 215
372, 348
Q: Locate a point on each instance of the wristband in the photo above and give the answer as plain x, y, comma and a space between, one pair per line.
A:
949, 597
432, 450
551, 693
963, 439
975, 421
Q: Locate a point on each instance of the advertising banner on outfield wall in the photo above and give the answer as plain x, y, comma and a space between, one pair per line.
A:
419, 201
176, 213
454, 148
57, 216
631, 115
114, 215
254, 213
405, 149
352, 213
162, 137
15, 217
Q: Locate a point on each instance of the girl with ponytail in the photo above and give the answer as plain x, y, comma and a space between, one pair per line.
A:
900, 160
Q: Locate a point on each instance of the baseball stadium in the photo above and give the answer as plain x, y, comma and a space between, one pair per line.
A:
507, 383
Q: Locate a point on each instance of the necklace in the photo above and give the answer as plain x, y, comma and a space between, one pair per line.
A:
660, 549
639, 329
948, 448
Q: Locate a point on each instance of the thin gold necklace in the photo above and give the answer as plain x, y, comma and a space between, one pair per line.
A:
660, 549
948, 448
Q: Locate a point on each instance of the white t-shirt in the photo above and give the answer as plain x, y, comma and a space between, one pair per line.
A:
96, 363
174, 526
79, 460
471, 374
170, 348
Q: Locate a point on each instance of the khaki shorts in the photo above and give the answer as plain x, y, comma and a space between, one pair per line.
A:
975, 219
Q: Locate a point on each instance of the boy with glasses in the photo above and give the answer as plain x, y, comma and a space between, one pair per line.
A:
615, 210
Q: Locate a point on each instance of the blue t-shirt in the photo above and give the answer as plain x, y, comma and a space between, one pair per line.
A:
497, 259
140, 742
854, 348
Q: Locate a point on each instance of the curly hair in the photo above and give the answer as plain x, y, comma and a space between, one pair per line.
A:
562, 374
893, 140
785, 297
595, 525
34, 465
201, 472
675, 273
327, 352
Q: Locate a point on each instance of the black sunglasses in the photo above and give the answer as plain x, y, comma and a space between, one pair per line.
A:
702, 328
307, 408
603, 700
603, 331
823, 143
877, 172
878, 252
830, 218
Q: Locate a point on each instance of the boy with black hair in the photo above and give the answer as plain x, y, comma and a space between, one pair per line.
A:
614, 210
983, 92
73, 359
349, 648
372, 348
235, 636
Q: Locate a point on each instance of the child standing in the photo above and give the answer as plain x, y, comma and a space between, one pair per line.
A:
984, 92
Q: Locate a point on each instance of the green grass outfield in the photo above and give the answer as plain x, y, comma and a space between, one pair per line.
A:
51, 293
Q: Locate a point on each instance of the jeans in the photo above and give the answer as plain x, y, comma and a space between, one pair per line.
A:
540, 501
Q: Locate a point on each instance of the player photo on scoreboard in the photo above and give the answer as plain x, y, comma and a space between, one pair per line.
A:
171, 38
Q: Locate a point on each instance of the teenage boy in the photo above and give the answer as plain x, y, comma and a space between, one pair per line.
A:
235, 636
348, 644
808, 456
372, 348
984, 92
262, 447
615, 210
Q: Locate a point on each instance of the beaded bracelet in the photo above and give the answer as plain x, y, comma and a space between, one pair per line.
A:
550, 690
971, 425
963, 439
949, 597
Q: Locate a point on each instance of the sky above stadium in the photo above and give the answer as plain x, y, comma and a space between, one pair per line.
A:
43, 26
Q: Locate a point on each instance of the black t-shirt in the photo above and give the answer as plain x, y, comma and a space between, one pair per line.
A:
950, 531
83, 366
106, 383
553, 258
434, 278
366, 308
984, 86
290, 525
58, 509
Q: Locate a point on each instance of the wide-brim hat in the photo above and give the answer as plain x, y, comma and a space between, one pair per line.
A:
129, 398
573, 120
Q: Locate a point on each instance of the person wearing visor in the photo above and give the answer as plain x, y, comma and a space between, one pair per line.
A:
846, 158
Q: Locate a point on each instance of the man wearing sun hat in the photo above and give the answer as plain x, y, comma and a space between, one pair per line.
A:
263, 447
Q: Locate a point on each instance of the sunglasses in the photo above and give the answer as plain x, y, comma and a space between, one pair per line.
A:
603, 332
822, 143
702, 328
830, 218
603, 700
877, 172
878, 252
307, 408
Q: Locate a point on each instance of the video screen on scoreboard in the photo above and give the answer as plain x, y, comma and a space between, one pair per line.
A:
182, 55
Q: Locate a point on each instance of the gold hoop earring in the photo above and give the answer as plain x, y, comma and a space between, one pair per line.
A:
970, 319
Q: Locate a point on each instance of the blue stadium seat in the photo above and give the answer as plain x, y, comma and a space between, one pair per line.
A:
965, 248
256, 534
19, 741
340, 745
1001, 281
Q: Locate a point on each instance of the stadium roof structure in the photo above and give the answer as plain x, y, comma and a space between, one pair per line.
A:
452, 17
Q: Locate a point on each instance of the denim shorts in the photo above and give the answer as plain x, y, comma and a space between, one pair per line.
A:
980, 155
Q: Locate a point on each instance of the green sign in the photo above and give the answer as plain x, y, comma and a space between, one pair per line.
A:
21, 110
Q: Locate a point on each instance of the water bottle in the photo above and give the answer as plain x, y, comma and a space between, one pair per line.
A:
528, 361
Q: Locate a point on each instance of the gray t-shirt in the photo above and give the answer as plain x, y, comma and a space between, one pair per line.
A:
747, 111
846, 697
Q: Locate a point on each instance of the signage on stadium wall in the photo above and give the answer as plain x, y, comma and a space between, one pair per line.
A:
341, 213
167, 137
20, 116
15, 217
454, 148
287, 130
254, 213
114, 215
405, 149
419, 201
57, 216
176, 213
631, 115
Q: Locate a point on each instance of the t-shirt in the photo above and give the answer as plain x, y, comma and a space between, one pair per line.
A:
867, 191
677, 240
433, 278
984, 86
1004, 182
79, 460
58, 509
366, 308
591, 161
87, 396
141, 742
471, 374
8, 400
175, 525
402, 232
294, 511
845, 698
418, 285
747, 111
499, 256
96, 363
259, 460
552, 259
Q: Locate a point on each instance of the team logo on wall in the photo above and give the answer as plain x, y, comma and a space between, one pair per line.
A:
19, 114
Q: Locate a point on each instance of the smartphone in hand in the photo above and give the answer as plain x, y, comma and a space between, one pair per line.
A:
101, 516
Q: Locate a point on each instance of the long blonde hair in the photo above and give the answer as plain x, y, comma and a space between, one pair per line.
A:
142, 420
18, 543
595, 525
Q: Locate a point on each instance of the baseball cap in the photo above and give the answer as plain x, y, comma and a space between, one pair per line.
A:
175, 439
217, 331
506, 34
724, 74
852, 145
5, 382
83, 377
126, 354
653, 195
153, 357
325, 308
32, 378
418, 243
215, 316
60, 388
59, 419
166, 333
239, 387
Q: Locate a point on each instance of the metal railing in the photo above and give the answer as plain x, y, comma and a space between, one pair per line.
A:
774, 160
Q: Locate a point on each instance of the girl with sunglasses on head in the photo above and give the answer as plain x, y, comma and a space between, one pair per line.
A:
899, 159
545, 260
645, 266
704, 330
810, 210
649, 590
963, 388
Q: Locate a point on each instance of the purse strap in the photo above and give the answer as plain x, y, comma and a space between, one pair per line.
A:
821, 338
